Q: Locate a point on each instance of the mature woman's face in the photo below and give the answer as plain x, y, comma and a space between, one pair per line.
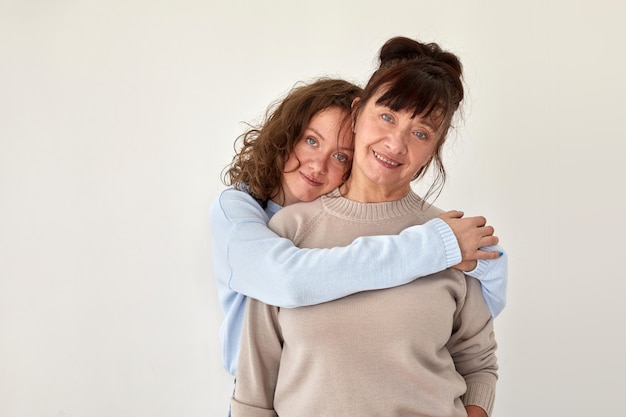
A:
321, 158
390, 147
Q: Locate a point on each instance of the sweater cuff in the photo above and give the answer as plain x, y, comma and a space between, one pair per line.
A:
238, 409
450, 244
482, 395
479, 271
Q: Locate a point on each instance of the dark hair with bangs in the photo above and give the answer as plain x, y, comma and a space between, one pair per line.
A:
259, 163
421, 78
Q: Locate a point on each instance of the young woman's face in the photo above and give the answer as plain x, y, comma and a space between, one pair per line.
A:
320, 159
390, 148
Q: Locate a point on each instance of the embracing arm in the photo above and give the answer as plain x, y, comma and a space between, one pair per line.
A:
493, 277
254, 261
258, 263
482, 257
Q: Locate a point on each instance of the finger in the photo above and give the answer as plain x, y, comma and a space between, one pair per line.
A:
452, 214
478, 221
489, 241
487, 254
486, 230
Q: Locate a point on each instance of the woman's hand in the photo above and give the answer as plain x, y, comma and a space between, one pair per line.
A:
472, 233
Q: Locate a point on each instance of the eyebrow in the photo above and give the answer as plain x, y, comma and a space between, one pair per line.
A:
431, 126
426, 121
317, 132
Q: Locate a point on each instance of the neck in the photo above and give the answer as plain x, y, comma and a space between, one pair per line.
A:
364, 191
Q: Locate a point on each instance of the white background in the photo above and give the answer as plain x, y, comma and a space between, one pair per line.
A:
117, 118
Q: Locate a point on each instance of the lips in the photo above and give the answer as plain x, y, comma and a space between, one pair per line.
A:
385, 160
310, 180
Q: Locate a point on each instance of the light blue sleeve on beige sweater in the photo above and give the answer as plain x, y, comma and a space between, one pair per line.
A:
251, 260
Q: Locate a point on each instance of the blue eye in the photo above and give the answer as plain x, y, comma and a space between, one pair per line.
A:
341, 157
421, 135
387, 118
311, 141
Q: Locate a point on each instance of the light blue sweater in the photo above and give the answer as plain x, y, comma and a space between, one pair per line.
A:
250, 260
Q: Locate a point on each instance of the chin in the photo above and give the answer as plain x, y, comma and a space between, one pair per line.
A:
311, 196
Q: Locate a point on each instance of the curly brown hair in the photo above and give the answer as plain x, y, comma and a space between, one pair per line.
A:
259, 163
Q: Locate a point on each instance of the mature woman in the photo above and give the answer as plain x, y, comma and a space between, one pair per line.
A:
422, 349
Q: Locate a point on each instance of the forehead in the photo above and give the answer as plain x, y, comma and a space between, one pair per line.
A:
333, 124
330, 116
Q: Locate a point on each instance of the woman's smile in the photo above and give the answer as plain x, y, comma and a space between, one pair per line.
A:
386, 160
310, 180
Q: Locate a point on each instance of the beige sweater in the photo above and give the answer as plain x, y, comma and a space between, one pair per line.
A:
421, 349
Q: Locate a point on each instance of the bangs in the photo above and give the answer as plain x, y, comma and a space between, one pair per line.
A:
422, 95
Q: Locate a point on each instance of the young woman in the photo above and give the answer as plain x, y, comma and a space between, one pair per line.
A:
421, 349
304, 150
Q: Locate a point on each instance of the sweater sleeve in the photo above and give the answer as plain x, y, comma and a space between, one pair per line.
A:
256, 262
493, 277
259, 362
473, 346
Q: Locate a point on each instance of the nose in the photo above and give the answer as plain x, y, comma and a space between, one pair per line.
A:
319, 164
395, 141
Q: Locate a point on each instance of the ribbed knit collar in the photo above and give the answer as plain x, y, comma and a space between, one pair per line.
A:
371, 212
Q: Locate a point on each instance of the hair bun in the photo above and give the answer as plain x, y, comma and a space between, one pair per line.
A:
400, 50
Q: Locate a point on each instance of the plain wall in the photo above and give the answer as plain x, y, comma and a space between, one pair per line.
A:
117, 118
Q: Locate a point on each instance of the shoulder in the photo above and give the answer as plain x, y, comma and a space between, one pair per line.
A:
236, 205
427, 210
294, 218
431, 212
301, 210
233, 194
